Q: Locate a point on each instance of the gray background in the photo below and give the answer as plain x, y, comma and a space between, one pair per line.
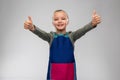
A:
24, 56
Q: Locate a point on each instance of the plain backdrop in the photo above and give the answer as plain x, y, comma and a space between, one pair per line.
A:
24, 56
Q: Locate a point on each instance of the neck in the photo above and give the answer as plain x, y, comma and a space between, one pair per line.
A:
61, 31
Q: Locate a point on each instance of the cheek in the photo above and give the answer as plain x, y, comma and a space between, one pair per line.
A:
54, 23
66, 22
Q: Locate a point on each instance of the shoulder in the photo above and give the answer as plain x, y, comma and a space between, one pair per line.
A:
69, 32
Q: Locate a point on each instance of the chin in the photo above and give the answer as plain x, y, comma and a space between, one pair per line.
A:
60, 29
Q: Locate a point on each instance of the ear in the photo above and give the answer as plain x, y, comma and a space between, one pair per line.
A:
67, 21
53, 23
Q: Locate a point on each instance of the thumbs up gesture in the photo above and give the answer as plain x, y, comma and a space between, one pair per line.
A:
95, 19
28, 24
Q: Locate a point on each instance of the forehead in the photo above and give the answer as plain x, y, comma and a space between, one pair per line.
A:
60, 14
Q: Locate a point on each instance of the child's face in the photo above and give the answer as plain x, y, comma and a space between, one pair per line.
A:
60, 20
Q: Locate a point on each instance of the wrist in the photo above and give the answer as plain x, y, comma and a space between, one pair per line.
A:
93, 24
32, 28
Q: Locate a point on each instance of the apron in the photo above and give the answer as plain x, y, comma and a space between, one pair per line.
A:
62, 64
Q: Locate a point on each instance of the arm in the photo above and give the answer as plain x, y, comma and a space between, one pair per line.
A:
80, 32
42, 34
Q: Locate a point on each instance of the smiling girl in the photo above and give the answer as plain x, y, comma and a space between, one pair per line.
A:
62, 65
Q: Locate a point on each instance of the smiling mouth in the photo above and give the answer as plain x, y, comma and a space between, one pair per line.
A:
60, 25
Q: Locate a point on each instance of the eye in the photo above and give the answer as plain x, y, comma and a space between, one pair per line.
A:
55, 19
63, 18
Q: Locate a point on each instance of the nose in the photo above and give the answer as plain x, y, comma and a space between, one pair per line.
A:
59, 21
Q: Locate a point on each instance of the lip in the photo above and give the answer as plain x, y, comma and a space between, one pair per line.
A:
60, 25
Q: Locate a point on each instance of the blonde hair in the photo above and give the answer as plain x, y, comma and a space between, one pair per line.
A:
60, 10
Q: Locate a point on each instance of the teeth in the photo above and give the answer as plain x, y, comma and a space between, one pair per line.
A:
60, 25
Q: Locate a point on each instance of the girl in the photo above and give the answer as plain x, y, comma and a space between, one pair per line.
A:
62, 64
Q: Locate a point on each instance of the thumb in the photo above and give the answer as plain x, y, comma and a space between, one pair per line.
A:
29, 18
94, 13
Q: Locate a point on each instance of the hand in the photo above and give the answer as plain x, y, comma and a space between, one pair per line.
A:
95, 19
29, 24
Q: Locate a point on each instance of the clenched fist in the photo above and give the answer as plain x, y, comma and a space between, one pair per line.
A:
95, 18
29, 24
